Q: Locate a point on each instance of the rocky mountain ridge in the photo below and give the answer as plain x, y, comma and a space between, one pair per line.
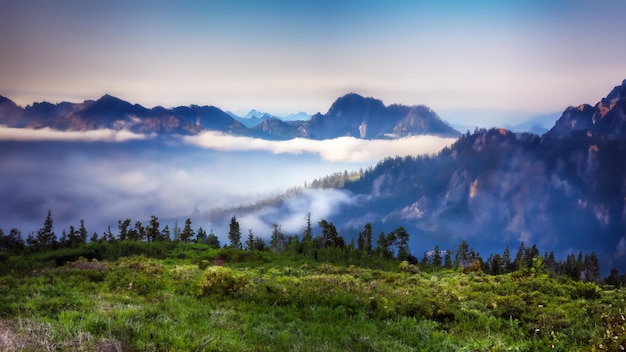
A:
351, 115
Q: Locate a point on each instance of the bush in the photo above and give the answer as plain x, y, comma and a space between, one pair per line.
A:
220, 281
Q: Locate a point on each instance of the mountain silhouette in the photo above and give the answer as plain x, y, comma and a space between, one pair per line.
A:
350, 115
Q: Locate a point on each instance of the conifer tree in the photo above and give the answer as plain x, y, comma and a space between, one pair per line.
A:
403, 244
165, 234
73, 239
140, 231
201, 237
187, 233
447, 262
123, 226
462, 255
308, 230
277, 241
249, 244
591, 268
367, 238
234, 233
153, 232
82, 233
46, 237
436, 257
212, 240
506, 260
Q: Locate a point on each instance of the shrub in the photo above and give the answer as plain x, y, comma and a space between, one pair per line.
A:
220, 281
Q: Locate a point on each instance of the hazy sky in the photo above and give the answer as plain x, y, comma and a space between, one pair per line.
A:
286, 56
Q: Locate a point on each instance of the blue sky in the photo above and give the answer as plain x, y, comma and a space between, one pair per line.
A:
286, 56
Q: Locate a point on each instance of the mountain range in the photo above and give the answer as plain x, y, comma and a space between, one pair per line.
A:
350, 115
563, 191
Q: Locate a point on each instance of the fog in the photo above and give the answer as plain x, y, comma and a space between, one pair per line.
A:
108, 176
342, 149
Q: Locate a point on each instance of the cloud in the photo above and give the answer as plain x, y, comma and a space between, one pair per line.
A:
344, 149
290, 214
48, 134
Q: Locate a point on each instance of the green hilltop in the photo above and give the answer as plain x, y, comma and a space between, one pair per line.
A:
175, 296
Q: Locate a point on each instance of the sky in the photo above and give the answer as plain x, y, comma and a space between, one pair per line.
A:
509, 56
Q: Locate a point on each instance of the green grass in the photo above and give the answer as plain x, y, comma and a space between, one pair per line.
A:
176, 300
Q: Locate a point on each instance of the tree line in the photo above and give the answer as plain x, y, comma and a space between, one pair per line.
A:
326, 246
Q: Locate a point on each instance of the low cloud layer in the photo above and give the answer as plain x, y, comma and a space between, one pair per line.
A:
48, 134
103, 182
345, 149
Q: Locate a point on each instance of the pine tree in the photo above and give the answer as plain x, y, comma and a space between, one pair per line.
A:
447, 262
277, 241
45, 236
82, 233
187, 233
249, 245
519, 262
201, 237
259, 244
367, 238
176, 231
234, 233
436, 258
403, 243
591, 271
212, 240
123, 226
506, 260
73, 239
63, 242
140, 231
165, 234
308, 230
462, 256
330, 237
110, 237
153, 231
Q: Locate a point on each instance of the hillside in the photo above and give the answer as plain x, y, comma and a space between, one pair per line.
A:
175, 297
563, 191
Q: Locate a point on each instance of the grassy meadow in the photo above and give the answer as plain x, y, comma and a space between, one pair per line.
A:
172, 297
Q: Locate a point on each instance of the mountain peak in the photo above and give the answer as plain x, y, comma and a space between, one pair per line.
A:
617, 93
109, 99
354, 103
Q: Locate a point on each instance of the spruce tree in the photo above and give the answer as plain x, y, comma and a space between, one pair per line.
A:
187, 233
82, 233
46, 237
403, 244
436, 258
212, 240
447, 261
234, 233
277, 241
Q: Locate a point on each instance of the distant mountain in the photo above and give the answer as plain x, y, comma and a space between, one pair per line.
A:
114, 113
351, 115
300, 116
252, 118
272, 127
538, 124
368, 118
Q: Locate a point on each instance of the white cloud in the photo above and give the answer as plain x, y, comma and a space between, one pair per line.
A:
346, 149
48, 134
